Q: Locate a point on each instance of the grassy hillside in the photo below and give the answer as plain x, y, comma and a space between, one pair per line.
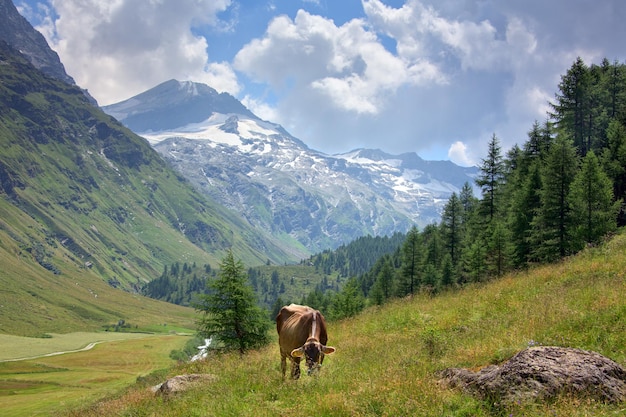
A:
34, 301
387, 358
87, 206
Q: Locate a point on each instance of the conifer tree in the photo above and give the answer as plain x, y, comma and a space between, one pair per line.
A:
474, 265
573, 104
382, 289
525, 205
614, 158
591, 198
490, 179
498, 250
447, 271
452, 227
348, 302
551, 226
412, 261
229, 310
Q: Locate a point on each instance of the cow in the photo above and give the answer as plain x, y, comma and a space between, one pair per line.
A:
301, 333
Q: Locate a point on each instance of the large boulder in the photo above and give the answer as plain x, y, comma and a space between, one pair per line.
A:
544, 372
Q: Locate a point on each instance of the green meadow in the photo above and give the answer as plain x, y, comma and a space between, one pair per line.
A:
388, 358
50, 384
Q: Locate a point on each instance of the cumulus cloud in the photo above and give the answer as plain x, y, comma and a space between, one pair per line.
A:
120, 48
347, 64
429, 74
458, 153
315, 64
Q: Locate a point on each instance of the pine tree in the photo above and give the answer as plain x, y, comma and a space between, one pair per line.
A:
591, 198
229, 310
348, 302
447, 271
498, 250
614, 158
474, 265
466, 196
551, 227
490, 179
452, 227
573, 104
382, 289
525, 205
412, 261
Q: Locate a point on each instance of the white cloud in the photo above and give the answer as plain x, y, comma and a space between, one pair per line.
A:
119, 48
459, 154
261, 109
410, 78
347, 64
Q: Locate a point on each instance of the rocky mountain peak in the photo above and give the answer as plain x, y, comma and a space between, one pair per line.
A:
173, 104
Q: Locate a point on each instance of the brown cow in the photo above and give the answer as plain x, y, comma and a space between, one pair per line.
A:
301, 332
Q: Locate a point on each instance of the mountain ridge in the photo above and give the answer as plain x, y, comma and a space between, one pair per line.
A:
188, 103
277, 183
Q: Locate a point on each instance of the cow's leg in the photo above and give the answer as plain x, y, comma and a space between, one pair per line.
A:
295, 368
283, 364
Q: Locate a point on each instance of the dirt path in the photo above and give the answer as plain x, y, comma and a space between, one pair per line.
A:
88, 347
19, 348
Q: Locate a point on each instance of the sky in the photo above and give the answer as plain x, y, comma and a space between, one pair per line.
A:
435, 77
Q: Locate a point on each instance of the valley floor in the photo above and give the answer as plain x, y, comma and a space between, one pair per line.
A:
48, 384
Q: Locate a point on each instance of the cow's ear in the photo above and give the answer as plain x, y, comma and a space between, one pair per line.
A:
297, 353
328, 350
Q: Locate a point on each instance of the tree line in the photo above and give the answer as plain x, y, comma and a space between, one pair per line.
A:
179, 284
561, 190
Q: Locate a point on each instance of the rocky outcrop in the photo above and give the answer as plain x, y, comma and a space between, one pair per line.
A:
182, 383
544, 372
17, 32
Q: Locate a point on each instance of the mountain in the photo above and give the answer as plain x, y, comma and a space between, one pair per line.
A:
83, 199
17, 32
173, 104
301, 196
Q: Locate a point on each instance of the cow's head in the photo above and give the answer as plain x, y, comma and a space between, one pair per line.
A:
313, 352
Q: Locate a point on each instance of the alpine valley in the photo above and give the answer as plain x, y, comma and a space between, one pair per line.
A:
90, 212
307, 200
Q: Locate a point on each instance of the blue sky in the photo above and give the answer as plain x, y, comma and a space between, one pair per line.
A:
436, 77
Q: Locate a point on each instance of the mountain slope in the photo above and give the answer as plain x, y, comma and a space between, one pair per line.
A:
389, 357
301, 196
82, 195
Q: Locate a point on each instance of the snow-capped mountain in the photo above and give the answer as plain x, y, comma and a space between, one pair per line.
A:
301, 196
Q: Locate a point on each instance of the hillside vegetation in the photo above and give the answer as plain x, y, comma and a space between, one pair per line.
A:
86, 204
388, 357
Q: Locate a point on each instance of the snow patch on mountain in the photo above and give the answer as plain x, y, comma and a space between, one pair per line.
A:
277, 183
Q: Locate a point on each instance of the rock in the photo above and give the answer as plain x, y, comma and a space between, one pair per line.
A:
544, 372
182, 383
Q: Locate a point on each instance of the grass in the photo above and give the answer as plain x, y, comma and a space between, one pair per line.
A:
47, 385
388, 358
17, 347
34, 301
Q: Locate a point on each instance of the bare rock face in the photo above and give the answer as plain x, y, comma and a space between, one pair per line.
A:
181, 383
544, 372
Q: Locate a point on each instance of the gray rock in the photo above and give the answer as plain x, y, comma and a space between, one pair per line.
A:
544, 372
182, 383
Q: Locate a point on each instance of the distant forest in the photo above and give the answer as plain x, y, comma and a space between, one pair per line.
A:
559, 191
